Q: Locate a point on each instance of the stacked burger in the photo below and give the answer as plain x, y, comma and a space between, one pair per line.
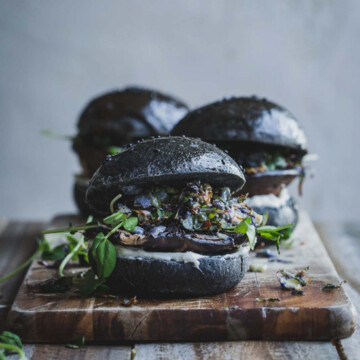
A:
115, 119
262, 137
170, 217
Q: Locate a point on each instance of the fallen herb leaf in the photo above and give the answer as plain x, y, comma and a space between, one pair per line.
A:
78, 344
268, 299
329, 286
298, 292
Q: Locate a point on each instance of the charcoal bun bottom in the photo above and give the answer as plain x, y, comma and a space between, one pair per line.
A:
157, 277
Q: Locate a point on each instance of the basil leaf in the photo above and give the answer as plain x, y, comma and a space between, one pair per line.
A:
130, 223
243, 226
105, 257
251, 234
90, 286
58, 252
115, 218
98, 239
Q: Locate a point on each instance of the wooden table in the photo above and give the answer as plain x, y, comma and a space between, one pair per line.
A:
341, 240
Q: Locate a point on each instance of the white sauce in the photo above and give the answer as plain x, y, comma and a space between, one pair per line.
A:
185, 257
269, 200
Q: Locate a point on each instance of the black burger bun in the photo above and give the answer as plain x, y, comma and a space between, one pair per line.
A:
120, 117
167, 160
245, 120
154, 277
129, 114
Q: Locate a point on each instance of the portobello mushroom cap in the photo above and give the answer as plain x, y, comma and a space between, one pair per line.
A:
130, 114
269, 182
154, 277
244, 119
166, 160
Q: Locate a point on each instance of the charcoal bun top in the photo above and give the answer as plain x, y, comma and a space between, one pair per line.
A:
166, 160
244, 119
122, 116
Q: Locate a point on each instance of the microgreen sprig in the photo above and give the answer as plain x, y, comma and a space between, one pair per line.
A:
269, 232
10, 343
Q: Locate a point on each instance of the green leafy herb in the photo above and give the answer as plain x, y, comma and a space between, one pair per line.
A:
79, 244
57, 253
78, 344
113, 150
113, 201
105, 258
10, 343
270, 299
115, 218
130, 223
42, 244
245, 227
273, 233
70, 229
329, 286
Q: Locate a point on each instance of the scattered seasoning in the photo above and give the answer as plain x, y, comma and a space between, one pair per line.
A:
129, 302
270, 299
258, 268
291, 281
78, 344
298, 292
329, 286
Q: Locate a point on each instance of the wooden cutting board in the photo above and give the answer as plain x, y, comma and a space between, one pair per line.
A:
234, 315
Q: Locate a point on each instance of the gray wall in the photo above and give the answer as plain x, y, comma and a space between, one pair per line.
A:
56, 55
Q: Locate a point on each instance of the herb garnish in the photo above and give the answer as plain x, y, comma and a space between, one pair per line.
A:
270, 299
78, 344
10, 343
197, 207
329, 286
293, 281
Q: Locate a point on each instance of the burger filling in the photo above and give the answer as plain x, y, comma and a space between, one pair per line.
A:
266, 161
196, 217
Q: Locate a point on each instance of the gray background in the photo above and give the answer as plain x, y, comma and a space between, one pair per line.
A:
56, 55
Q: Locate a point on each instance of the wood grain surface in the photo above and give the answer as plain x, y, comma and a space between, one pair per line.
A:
342, 241
235, 315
